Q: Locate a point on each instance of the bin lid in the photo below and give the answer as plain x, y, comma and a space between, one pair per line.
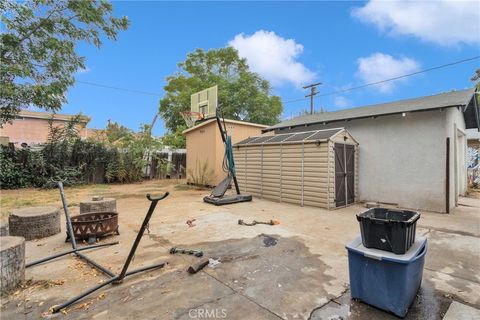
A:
357, 247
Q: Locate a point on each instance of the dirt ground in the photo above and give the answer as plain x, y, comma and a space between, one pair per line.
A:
295, 270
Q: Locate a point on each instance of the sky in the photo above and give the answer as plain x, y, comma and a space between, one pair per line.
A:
291, 44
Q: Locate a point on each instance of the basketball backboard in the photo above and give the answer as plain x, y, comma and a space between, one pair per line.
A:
205, 102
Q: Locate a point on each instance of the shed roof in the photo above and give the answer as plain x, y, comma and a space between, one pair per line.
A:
309, 136
444, 100
208, 121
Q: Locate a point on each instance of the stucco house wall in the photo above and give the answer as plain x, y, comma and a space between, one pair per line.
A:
32, 127
402, 159
455, 130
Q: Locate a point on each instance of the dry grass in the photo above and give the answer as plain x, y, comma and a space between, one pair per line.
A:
15, 199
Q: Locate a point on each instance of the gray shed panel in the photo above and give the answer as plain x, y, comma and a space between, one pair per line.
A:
309, 136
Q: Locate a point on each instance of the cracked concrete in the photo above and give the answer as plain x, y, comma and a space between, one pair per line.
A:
304, 274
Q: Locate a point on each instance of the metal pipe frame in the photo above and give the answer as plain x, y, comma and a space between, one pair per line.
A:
33, 263
117, 279
112, 280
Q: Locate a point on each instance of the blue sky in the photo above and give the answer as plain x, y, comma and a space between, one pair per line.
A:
341, 44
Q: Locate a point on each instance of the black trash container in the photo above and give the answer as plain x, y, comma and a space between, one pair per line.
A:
388, 229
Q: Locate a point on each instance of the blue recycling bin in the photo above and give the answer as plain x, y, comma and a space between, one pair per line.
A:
383, 279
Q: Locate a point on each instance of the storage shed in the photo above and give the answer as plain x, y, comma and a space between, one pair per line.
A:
314, 168
412, 152
205, 149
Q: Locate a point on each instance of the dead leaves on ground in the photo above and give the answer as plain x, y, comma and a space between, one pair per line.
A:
82, 306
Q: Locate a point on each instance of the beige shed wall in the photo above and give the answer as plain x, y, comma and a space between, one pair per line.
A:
204, 145
297, 173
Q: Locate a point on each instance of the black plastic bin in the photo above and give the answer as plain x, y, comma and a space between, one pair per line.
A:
388, 229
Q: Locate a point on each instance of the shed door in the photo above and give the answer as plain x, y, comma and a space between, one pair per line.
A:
350, 168
344, 174
340, 198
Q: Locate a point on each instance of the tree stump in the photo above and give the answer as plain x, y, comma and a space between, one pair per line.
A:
35, 222
12, 262
98, 204
4, 229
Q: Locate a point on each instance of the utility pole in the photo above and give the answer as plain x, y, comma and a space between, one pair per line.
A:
313, 92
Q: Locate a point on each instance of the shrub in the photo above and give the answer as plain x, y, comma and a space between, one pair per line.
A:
201, 175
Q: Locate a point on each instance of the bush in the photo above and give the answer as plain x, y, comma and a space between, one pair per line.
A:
74, 161
201, 175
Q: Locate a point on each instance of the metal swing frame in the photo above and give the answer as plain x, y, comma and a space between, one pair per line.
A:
117, 279
114, 279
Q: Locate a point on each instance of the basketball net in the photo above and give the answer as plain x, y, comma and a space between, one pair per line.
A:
191, 117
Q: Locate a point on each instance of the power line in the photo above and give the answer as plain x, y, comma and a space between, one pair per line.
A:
120, 89
387, 80
299, 99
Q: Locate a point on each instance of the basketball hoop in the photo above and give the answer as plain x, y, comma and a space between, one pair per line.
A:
191, 117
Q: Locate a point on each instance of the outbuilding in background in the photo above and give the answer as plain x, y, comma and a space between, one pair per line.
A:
205, 150
316, 168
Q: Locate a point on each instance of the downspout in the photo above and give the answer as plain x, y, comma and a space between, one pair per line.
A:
447, 177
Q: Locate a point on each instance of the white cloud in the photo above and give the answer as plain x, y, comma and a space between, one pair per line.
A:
444, 22
273, 57
380, 66
84, 70
341, 102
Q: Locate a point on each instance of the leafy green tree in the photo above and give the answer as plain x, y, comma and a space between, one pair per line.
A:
175, 139
115, 131
243, 94
476, 78
37, 49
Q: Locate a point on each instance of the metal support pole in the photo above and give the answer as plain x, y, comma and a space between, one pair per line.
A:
155, 266
33, 263
96, 265
67, 215
313, 92
224, 134
153, 204
55, 309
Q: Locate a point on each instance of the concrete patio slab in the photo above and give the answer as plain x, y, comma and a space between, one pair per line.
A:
459, 311
303, 275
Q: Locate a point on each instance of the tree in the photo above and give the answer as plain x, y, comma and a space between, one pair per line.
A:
476, 78
243, 94
175, 139
115, 131
37, 49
